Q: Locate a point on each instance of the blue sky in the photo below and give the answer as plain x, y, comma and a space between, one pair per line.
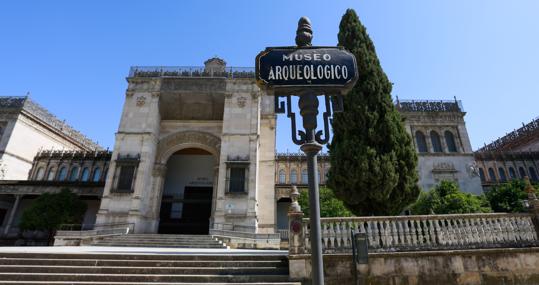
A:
73, 56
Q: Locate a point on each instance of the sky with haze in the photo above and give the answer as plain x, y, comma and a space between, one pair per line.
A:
73, 56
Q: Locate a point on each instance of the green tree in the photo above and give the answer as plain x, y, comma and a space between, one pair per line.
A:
330, 206
373, 162
446, 198
49, 211
508, 197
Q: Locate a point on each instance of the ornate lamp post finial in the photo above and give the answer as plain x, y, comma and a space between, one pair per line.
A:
304, 34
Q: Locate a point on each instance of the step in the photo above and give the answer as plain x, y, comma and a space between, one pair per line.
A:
141, 277
156, 245
161, 241
138, 283
143, 263
145, 270
227, 256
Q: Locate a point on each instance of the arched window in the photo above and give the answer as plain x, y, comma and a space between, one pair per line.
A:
482, 174
450, 141
293, 177
97, 175
533, 174
51, 173
501, 174
40, 173
512, 173
304, 177
85, 174
436, 143
74, 174
62, 174
421, 142
522, 172
282, 177
491, 175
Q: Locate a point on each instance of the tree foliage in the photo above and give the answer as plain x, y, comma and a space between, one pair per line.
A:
446, 198
49, 211
330, 206
508, 197
373, 162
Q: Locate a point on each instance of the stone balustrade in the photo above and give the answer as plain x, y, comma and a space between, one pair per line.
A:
428, 232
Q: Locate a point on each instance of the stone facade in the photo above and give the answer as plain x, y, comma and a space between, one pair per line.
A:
513, 156
168, 113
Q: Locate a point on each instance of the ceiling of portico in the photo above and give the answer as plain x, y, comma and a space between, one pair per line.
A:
191, 106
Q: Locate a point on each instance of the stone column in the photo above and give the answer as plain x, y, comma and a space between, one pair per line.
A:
12, 213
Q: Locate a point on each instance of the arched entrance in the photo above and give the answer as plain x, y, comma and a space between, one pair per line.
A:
186, 201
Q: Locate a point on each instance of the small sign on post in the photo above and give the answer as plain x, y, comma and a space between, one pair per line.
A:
292, 69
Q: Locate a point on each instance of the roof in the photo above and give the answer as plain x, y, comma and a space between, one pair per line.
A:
27, 106
519, 137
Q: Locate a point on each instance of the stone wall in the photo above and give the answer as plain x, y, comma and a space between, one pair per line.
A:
479, 266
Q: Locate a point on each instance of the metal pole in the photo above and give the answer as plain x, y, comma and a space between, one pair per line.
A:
308, 104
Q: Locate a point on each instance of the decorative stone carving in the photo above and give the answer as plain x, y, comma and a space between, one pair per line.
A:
472, 169
444, 167
141, 100
241, 101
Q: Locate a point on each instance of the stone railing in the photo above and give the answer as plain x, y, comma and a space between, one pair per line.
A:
429, 232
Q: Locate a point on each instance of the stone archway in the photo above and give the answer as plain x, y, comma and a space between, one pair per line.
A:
174, 143
187, 139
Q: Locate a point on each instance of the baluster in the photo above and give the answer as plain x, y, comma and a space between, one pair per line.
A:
394, 233
400, 230
439, 236
513, 229
481, 232
427, 232
407, 236
475, 234
307, 233
466, 231
490, 230
329, 235
376, 234
420, 237
413, 232
450, 232
338, 234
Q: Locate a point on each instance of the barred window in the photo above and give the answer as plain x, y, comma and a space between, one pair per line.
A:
282, 176
85, 174
512, 173
74, 174
237, 180
502, 175
97, 175
450, 141
62, 174
126, 168
293, 177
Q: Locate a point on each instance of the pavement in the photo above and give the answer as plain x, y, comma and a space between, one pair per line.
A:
136, 250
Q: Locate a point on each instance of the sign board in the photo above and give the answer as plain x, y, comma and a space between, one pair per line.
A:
296, 69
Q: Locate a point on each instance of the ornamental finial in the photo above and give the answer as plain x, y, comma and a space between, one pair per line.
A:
304, 34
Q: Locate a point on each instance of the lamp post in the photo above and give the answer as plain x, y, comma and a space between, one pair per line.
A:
308, 72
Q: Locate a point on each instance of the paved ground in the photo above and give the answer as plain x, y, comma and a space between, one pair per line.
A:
135, 250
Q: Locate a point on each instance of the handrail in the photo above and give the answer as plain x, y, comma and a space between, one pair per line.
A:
103, 226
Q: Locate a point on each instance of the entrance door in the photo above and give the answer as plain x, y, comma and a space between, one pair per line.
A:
190, 215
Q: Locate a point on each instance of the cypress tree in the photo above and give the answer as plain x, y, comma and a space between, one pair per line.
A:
373, 162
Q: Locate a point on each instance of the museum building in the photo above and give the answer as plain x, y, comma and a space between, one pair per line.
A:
195, 153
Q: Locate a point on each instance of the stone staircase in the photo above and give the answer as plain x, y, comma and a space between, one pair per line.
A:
160, 240
137, 269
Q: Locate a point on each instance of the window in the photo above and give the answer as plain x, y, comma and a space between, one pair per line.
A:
293, 177
62, 174
482, 174
522, 172
512, 173
304, 176
533, 174
51, 173
436, 143
501, 173
125, 179
450, 141
237, 177
421, 142
126, 167
97, 175
40, 173
85, 174
282, 177
491, 175
74, 174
